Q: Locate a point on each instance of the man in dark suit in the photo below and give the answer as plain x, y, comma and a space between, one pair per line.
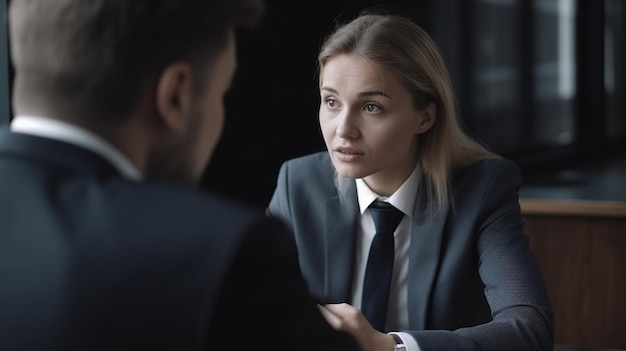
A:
104, 245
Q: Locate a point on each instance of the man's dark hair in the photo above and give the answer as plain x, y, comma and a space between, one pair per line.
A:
99, 56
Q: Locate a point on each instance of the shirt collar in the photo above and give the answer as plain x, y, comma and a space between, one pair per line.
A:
62, 131
402, 199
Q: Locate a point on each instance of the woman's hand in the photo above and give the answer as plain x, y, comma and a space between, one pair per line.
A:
347, 318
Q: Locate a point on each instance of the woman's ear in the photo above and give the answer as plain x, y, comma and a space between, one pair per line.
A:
173, 97
427, 118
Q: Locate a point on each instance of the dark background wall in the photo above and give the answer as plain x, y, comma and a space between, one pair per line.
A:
272, 108
4, 68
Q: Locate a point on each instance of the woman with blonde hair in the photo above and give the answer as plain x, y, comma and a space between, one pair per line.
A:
453, 271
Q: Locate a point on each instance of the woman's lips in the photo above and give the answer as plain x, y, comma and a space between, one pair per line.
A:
347, 154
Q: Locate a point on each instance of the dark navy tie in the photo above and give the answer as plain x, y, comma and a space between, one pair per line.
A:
380, 264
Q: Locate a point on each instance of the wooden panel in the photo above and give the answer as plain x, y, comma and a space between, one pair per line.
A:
583, 260
587, 208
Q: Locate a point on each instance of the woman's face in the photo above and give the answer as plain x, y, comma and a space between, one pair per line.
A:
369, 124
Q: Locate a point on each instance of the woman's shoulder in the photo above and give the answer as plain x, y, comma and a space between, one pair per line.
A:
312, 172
489, 169
317, 163
494, 164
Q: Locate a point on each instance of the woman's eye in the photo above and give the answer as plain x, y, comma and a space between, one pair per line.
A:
372, 108
332, 103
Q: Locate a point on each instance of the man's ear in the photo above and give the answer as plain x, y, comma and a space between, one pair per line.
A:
173, 96
427, 118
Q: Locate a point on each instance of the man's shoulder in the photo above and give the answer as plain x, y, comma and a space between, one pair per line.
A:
180, 223
178, 202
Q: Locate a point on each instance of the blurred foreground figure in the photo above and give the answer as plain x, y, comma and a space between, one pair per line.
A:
104, 242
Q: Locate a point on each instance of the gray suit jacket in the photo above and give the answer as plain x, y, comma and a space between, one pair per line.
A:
473, 281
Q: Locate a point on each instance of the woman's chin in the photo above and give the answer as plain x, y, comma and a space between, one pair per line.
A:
349, 172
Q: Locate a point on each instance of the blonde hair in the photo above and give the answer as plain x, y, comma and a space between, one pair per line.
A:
401, 45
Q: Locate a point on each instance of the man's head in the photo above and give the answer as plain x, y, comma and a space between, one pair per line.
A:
103, 63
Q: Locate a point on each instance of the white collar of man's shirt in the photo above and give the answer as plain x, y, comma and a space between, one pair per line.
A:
69, 133
402, 199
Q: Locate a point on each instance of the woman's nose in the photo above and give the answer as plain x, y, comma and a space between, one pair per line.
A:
346, 125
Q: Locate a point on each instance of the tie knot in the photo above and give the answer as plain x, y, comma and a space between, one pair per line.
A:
386, 217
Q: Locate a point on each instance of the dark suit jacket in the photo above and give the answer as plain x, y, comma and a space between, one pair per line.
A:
473, 281
92, 261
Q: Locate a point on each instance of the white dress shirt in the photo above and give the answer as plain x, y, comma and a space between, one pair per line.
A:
72, 134
404, 200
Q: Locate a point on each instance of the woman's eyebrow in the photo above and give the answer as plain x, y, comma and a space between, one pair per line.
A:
361, 94
375, 93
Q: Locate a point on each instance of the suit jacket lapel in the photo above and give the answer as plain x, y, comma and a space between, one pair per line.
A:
341, 214
425, 252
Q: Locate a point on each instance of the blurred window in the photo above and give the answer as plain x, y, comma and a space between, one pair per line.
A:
537, 79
